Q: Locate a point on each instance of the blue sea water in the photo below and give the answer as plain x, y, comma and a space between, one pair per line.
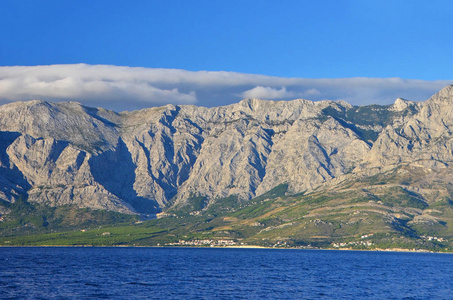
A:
207, 273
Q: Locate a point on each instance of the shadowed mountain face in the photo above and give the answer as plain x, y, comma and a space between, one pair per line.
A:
144, 161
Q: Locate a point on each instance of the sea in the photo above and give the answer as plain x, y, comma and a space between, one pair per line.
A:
221, 273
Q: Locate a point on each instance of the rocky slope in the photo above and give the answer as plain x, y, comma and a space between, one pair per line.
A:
145, 161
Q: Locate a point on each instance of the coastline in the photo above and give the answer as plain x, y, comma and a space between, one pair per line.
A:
230, 247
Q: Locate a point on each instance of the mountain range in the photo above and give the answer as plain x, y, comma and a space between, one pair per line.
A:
145, 161
191, 158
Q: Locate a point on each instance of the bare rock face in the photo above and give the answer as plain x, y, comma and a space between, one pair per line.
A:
424, 137
144, 161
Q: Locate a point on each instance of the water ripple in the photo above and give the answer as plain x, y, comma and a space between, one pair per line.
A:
190, 273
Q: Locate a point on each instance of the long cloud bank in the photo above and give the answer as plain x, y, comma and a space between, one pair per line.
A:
129, 88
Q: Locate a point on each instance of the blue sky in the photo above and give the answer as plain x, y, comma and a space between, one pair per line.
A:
282, 39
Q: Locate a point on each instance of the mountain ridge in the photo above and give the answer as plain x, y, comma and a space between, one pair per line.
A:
149, 160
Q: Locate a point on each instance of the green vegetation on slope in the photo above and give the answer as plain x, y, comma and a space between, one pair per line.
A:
32, 218
374, 212
358, 118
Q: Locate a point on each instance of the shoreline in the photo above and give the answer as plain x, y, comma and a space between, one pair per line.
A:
400, 250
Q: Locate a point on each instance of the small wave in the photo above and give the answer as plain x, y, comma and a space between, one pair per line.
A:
142, 283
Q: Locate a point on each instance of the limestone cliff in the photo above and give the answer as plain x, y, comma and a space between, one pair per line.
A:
147, 160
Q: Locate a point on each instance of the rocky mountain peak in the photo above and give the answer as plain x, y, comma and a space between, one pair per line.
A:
446, 93
401, 104
147, 160
437, 112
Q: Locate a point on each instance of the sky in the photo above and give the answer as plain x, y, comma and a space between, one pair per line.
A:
127, 55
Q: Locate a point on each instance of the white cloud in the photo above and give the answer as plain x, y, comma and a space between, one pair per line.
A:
127, 88
312, 92
124, 88
268, 93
